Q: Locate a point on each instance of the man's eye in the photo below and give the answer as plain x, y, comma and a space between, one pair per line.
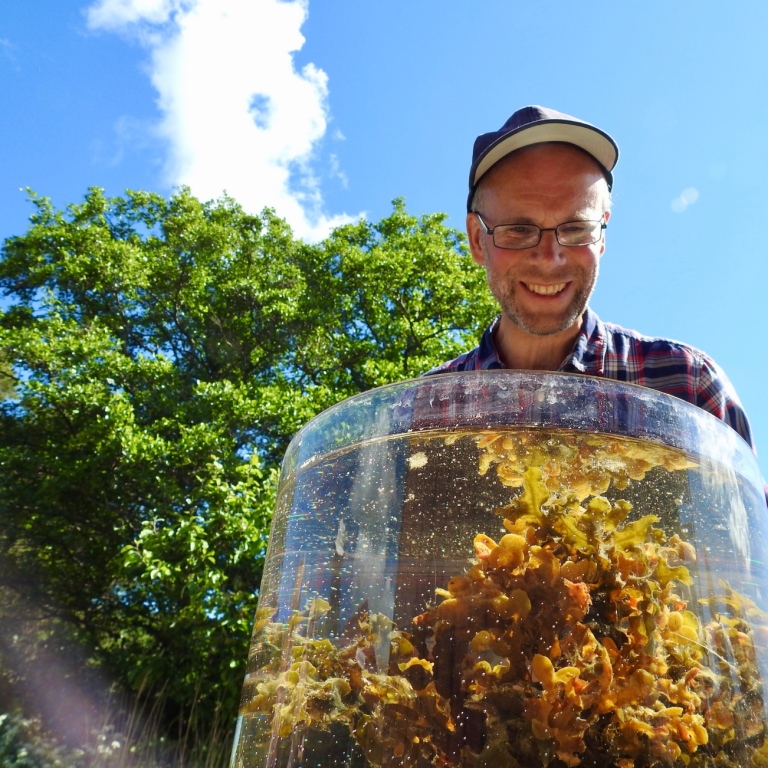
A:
574, 227
520, 229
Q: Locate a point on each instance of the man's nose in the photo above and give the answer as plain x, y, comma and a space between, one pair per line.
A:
549, 247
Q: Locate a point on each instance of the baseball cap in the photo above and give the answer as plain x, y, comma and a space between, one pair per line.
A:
536, 125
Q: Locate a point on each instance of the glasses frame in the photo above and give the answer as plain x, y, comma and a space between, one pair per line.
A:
491, 230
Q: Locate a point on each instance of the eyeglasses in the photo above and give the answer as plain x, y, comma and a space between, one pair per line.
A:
515, 237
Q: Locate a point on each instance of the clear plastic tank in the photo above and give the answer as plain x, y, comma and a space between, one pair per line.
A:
512, 569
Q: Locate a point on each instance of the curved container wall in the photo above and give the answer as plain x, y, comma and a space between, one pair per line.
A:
511, 569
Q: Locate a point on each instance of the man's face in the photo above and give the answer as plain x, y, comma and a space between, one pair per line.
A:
542, 290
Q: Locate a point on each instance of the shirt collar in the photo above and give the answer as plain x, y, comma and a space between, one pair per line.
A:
487, 353
588, 354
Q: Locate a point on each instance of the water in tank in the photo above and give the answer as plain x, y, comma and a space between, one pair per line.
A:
511, 569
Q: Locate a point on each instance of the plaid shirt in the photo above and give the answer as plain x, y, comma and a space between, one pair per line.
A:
612, 352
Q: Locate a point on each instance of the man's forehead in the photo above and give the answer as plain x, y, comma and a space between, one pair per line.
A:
543, 180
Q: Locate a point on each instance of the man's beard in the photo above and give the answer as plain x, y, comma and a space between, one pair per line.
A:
503, 289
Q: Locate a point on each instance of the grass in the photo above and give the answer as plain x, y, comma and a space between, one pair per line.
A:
128, 737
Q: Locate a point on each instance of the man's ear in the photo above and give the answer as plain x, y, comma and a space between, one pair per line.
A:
606, 216
474, 233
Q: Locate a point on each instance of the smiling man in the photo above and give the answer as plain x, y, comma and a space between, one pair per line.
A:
537, 224
538, 207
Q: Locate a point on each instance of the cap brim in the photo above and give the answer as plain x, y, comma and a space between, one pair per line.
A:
592, 140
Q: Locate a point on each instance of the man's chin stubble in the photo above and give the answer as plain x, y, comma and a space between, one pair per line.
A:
573, 315
529, 325
523, 325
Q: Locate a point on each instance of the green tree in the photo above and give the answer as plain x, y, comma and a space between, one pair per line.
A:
7, 380
165, 351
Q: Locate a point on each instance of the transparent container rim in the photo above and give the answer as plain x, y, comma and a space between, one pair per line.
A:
702, 422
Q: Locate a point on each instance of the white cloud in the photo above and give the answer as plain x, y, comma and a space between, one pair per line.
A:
687, 197
8, 50
237, 114
337, 173
117, 14
129, 134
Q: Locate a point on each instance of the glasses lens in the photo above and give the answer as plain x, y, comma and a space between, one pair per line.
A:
579, 232
516, 236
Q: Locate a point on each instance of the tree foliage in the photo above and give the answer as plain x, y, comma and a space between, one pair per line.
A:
164, 353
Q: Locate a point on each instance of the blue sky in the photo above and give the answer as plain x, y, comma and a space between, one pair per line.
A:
329, 109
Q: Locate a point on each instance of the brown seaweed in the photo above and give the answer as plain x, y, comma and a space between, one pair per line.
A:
570, 641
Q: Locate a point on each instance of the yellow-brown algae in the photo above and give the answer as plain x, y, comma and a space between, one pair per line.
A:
568, 641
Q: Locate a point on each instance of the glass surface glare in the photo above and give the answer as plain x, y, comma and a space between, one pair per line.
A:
516, 237
511, 568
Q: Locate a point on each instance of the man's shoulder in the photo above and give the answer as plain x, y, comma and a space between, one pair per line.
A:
620, 339
617, 352
666, 365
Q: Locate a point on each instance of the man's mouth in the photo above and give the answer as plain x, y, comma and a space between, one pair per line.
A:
545, 290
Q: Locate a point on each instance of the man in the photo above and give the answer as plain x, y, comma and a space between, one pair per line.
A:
539, 203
